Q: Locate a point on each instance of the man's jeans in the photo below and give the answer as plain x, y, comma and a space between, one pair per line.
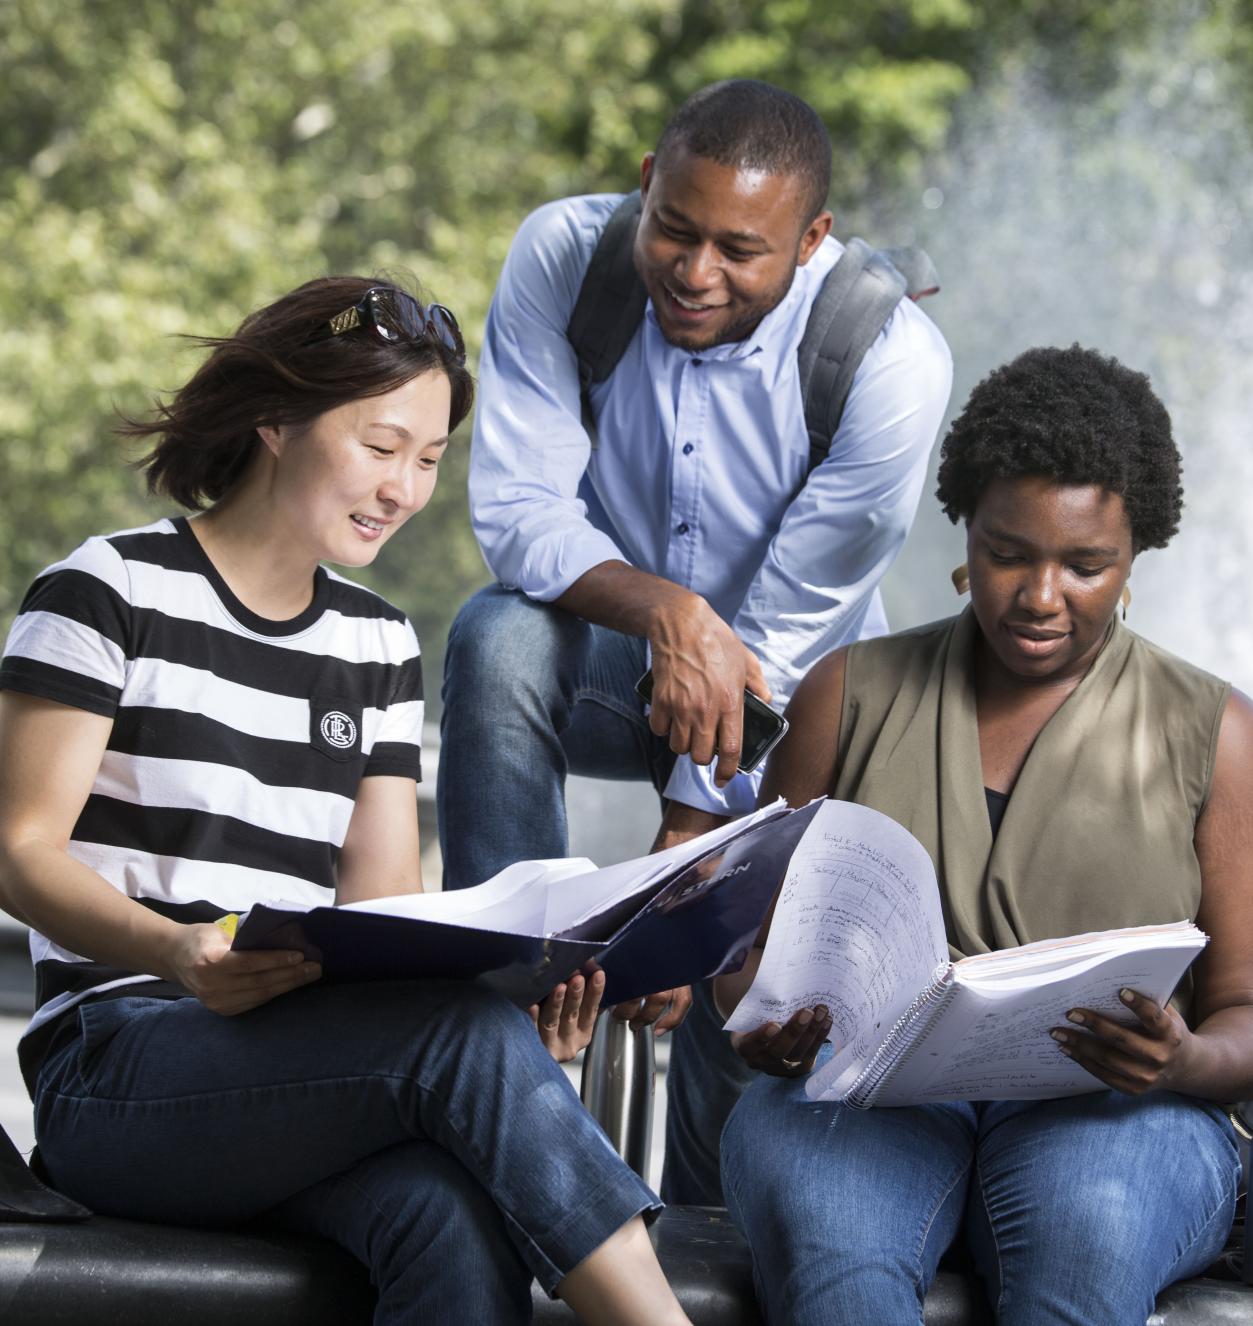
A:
419, 1124
532, 692
1076, 1211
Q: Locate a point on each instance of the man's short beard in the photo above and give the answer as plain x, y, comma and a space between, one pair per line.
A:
739, 330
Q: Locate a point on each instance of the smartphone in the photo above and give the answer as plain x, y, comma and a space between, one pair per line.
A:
762, 726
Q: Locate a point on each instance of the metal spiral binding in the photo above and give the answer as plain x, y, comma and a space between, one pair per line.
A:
895, 1050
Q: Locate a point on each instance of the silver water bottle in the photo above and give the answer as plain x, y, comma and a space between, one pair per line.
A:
619, 1073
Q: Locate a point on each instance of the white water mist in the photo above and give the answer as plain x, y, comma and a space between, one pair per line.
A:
1121, 223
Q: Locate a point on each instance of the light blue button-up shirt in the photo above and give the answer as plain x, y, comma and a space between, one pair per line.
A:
698, 463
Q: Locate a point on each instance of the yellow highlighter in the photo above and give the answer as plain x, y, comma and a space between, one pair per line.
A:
229, 923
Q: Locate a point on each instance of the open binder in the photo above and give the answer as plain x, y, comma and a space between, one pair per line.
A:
649, 924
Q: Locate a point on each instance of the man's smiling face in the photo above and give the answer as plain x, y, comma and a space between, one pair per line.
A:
718, 245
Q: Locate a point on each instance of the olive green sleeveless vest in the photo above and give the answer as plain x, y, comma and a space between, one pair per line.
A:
1098, 830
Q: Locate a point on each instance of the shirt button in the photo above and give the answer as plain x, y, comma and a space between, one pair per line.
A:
696, 363
681, 527
688, 448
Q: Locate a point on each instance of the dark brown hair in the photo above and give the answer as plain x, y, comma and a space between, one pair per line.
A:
267, 373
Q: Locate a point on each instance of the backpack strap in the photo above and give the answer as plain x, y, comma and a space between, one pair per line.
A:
610, 305
915, 265
857, 298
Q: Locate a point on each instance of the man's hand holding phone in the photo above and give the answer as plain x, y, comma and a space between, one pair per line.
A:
701, 669
760, 728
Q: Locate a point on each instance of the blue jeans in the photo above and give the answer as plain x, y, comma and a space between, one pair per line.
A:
1076, 1211
419, 1124
530, 693
705, 1079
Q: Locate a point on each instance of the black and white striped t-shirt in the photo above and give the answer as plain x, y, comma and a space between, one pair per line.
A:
238, 743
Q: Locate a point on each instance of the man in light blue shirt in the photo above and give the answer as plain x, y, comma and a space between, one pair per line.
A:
691, 536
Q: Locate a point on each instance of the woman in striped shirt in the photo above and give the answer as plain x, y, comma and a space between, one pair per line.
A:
196, 717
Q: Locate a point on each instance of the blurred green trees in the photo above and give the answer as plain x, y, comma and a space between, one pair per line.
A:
167, 165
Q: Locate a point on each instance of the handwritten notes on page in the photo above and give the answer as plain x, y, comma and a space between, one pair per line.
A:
991, 1041
857, 927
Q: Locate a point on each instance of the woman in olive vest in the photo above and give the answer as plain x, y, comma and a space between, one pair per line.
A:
1065, 776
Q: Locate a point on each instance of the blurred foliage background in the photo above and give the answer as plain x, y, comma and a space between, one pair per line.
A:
1078, 168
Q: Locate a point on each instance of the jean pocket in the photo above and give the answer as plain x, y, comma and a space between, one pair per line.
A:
99, 1024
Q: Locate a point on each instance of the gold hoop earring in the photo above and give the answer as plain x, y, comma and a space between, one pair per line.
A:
961, 579
1125, 599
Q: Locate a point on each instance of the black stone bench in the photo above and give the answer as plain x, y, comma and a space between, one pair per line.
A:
123, 1273
107, 1272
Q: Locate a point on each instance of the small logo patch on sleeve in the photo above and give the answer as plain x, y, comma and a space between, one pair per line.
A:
335, 728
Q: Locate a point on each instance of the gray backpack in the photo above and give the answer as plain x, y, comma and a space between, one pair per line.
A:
855, 302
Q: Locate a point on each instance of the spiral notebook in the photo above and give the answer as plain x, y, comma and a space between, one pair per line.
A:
858, 927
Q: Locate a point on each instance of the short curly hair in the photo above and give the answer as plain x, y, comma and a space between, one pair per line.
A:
1075, 416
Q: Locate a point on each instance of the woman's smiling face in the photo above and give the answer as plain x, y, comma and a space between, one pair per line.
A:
1048, 563
345, 483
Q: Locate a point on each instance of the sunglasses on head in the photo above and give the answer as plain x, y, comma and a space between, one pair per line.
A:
392, 316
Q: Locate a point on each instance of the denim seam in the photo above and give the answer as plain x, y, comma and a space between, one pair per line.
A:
190, 1097
996, 1243
632, 712
548, 1274
935, 1211
1219, 1209
346, 1178
553, 1274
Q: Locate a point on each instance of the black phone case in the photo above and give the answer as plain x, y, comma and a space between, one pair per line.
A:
762, 748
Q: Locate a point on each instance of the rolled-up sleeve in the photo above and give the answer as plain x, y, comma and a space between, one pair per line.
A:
530, 448
816, 586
